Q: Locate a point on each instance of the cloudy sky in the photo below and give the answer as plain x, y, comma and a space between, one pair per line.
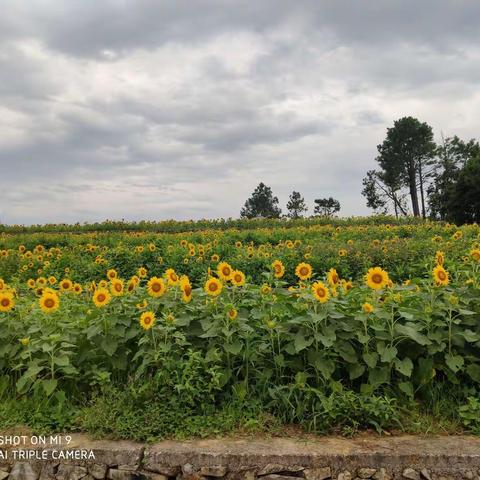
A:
156, 109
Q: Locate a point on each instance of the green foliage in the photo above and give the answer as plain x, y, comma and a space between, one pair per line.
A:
470, 415
296, 205
262, 204
326, 207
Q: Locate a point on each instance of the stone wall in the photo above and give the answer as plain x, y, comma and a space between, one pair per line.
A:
376, 458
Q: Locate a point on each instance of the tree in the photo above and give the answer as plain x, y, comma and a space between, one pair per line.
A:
381, 192
452, 156
463, 202
261, 204
326, 206
405, 155
296, 205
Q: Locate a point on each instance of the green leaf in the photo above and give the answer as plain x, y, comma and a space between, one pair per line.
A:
388, 354
62, 361
473, 371
454, 362
49, 386
234, 348
355, 370
379, 375
410, 331
405, 366
109, 345
301, 342
407, 388
371, 359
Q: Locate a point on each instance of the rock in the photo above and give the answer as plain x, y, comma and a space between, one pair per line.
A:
97, 471
366, 472
318, 473
71, 472
382, 474
468, 475
3, 475
4, 468
213, 470
49, 471
277, 468
345, 475
241, 474
411, 474
187, 469
276, 476
153, 476
166, 470
22, 471
115, 474
426, 474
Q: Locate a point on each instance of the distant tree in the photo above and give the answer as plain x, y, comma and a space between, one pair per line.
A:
382, 192
452, 156
296, 205
405, 155
262, 204
463, 199
326, 207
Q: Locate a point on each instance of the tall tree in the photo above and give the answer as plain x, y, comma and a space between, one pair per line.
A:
381, 193
463, 202
296, 205
326, 207
406, 154
262, 204
452, 156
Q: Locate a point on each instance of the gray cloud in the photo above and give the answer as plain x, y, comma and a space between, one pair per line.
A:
147, 109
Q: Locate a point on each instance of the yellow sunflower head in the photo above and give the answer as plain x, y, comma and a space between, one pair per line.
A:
238, 278
440, 276
147, 319
332, 277
232, 314
49, 302
439, 258
266, 289
112, 273
320, 292
156, 287
303, 271
66, 285
101, 297
377, 278
367, 307
278, 269
171, 276
213, 286
224, 271
7, 301
117, 287
475, 254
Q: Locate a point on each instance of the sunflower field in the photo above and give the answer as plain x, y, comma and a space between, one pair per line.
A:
325, 325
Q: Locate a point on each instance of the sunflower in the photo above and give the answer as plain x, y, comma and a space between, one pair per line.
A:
147, 319
102, 284
215, 258
475, 254
52, 280
342, 252
101, 297
142, 272
332, 277
439, 258
49, 301
213, 286
440, 275
224, 271
232, 314
376, 278
238, 244
31, 283
77, 288
156, 287
186, 287
171, 276
303, 271
266, 289
347, 285
278, 269
2, 284
112, 273
7, 301
116, 287
320, 292
238, 278
66, 285
41, 282
131, 285
367, 307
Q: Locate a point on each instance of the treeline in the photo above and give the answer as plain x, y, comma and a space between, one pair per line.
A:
417, 176
263, 204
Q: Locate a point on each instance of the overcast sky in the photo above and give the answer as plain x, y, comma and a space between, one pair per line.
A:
151, 109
